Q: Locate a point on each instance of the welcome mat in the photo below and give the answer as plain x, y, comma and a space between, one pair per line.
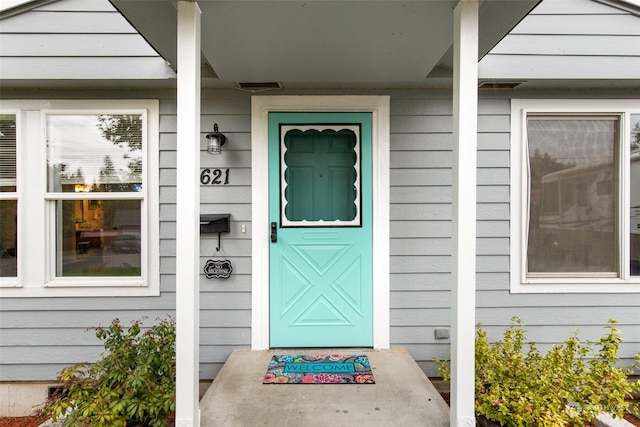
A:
319, 369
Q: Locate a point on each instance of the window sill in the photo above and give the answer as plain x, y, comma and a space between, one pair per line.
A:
575, 286
124, 289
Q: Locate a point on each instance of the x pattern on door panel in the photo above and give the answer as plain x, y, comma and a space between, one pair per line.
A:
329, 292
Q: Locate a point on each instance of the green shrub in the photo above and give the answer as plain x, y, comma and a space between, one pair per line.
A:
134, 382
515, 385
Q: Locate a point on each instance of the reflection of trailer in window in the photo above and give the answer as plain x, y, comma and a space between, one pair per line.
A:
635, 213
578, 210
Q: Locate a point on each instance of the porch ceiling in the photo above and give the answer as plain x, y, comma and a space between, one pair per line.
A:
387, 42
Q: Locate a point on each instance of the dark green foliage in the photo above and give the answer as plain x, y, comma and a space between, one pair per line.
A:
133, 382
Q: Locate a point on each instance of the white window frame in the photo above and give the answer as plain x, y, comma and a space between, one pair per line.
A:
520, 283
36, 206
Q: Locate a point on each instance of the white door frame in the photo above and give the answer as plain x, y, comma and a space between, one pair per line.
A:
261, 106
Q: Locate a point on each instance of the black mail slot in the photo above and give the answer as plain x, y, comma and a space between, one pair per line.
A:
214, 223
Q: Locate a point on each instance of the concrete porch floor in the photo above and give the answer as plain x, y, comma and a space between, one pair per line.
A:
402, 395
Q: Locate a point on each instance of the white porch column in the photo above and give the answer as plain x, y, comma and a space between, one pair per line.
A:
188, 216
465, 125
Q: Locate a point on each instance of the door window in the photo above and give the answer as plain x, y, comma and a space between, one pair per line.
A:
320, 175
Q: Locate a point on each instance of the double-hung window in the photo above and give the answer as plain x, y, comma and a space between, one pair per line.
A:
575, 192
78, 198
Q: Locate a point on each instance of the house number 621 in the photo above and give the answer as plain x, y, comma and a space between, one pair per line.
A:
214, 176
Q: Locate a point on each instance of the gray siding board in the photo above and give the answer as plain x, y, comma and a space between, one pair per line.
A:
492, 263
561, 67
228, 193
408, 334
493, 176
227, 300
421, 212
63, 45
493, 211
493, 229
432, 176
551, 334
421, 124
585, 45
421, 141
55, 354
573, 7
577, 39
489, 159
574, 316
225, 336
217, 103
79, 68
36, 22
77, 5
493, 194
63, 336
224, 319
618, 24
424, 246
492, 246
492, 123
421, 159
235, 283
488, 299
70, 318
493, 141
60, 304
492, 281
420, 264
491, 106
420, 229
420, 281
434, 299
31, 372
420, 316
420, 194
418, 107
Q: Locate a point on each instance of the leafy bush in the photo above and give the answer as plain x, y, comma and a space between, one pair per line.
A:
570, 385
133, 383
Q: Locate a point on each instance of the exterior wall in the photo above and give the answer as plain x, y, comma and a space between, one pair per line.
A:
40, 336
95, 41
568, 39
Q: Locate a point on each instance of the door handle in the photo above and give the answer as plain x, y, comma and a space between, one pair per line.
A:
274, 232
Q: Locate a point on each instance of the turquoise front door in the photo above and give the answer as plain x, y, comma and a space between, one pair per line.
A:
320, 284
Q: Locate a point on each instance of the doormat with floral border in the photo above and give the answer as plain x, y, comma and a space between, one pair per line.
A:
319, 369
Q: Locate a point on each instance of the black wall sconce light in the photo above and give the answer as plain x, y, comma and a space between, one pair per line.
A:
216, 141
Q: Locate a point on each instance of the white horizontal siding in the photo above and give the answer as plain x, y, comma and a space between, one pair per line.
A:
576, 39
